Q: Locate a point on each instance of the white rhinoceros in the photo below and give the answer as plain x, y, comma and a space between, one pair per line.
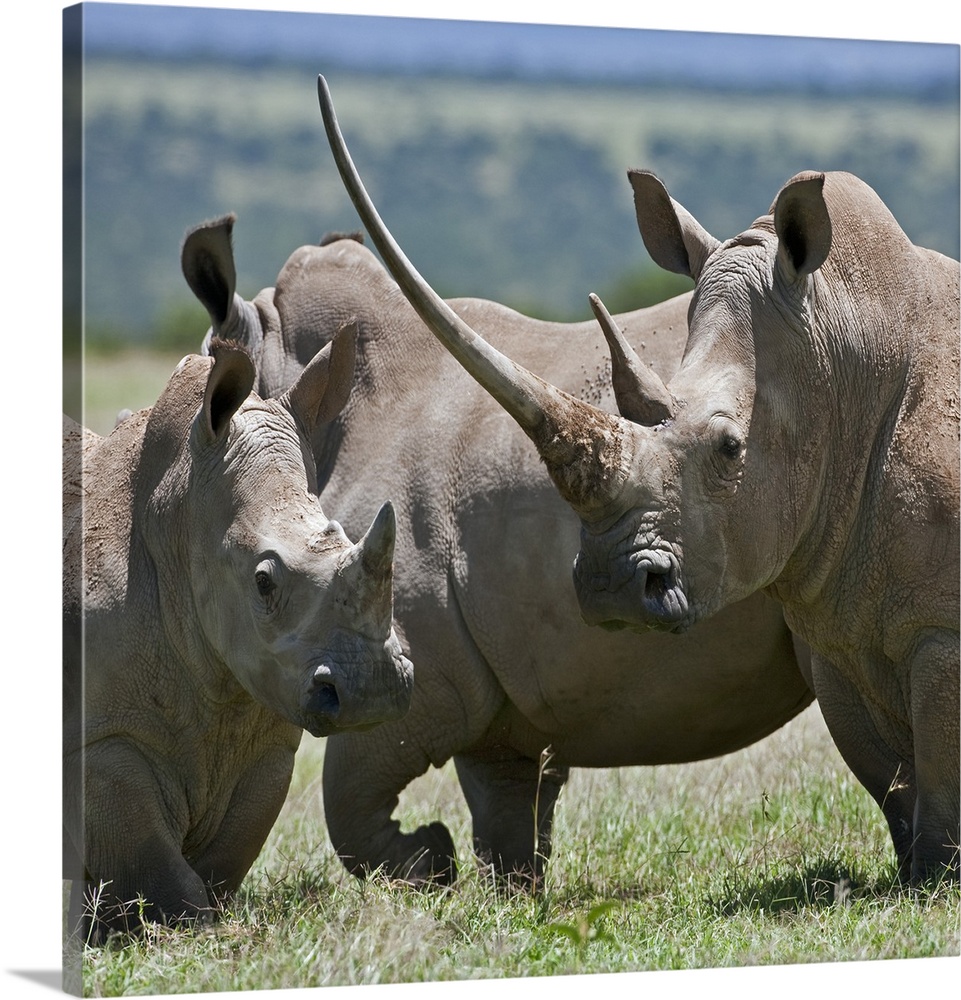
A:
212, 613
807, 448
505, 666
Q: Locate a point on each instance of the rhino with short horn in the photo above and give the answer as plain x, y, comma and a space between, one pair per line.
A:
806, 447
212, 613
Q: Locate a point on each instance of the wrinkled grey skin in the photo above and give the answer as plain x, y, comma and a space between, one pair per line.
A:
807, 448
505, 666
824, 344
222, 613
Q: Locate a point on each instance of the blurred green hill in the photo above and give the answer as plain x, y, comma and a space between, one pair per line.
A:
512, 190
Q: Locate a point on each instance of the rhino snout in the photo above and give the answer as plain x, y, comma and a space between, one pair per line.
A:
356, 688
642, 591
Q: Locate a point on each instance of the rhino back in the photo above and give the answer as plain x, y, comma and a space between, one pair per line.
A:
483, 567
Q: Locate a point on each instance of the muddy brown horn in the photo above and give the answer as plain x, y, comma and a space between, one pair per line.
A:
641, 395
580, 444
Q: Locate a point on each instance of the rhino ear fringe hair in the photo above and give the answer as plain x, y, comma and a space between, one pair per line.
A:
333, 237
226, 344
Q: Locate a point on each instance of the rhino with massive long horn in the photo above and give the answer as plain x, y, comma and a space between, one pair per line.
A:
505, 666
807, 448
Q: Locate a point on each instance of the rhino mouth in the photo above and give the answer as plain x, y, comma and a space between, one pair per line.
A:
645, 594
663, 597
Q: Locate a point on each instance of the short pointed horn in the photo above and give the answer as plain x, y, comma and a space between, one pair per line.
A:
377, 545
641, 395
368, 568
580, 444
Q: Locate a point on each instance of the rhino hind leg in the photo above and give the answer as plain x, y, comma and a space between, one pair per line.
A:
502, 790
359, 800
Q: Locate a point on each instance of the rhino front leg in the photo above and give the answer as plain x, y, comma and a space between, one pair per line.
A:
134, 867
253, 810
934, 710
503, 791
363, 776
888, 777
164, 889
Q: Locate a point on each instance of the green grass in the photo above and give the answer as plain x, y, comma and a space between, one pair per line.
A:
770, 856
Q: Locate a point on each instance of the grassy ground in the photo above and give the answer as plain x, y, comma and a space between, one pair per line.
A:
770, 856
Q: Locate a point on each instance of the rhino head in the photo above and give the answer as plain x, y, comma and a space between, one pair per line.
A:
673, 493
256, 575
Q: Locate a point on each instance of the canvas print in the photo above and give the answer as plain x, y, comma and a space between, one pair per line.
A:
510, 495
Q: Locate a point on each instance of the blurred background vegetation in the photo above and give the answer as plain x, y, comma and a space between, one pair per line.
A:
514, 190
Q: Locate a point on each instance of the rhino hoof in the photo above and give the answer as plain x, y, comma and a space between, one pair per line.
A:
434, 862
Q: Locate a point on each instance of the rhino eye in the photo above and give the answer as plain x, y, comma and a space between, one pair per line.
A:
265, 580
730, 446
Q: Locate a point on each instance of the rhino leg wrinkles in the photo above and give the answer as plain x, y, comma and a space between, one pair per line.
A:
363, 776
887, 776
502, 789
254, 807
135, 868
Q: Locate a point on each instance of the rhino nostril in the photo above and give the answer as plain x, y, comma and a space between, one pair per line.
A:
656, 583
323, 699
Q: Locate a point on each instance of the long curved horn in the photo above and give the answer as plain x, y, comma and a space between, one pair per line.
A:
641, 395
580, 444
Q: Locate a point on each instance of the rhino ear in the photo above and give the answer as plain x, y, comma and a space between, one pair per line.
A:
803, 226
674, 238
323, 388
229, 383
207, 262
